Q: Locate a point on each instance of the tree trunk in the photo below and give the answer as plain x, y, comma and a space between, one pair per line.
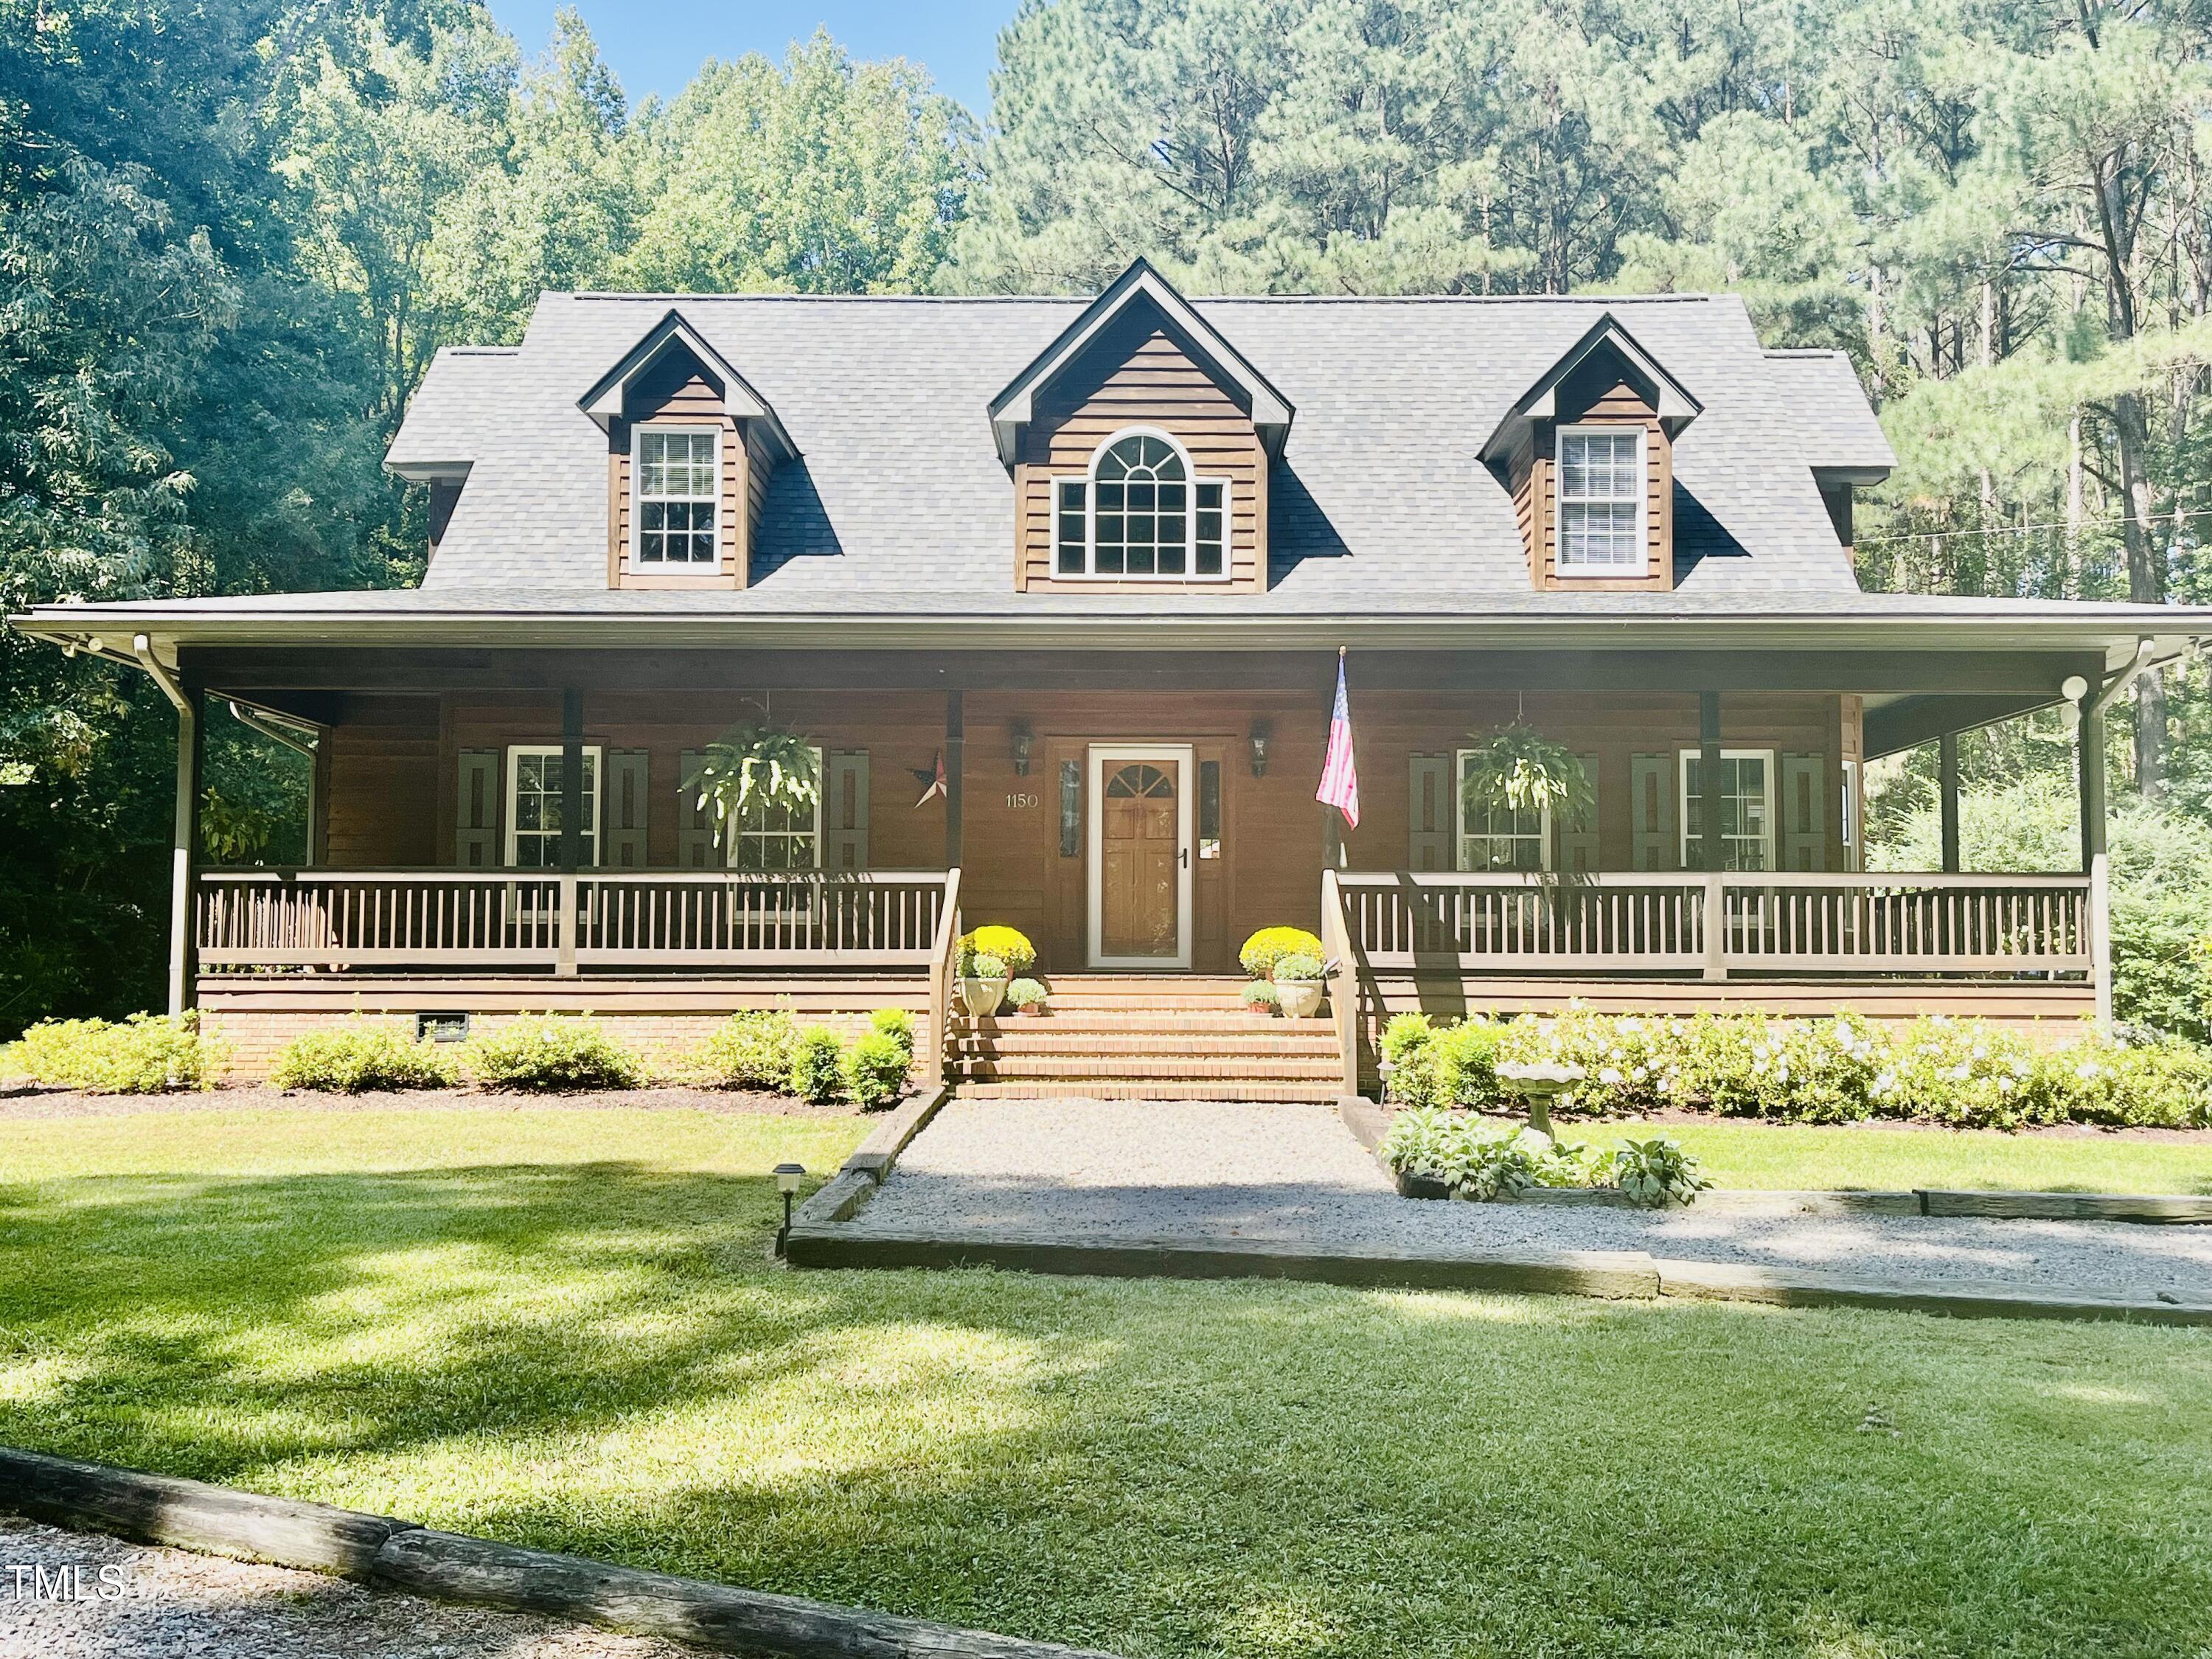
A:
2146, 585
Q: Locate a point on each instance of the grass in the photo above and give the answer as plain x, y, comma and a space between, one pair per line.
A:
558, 1327
1808, 1158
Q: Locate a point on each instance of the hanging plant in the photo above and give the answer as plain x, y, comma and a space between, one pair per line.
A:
1521, 768
756, 767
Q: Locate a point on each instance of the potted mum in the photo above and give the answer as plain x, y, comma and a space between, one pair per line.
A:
1291, 958
1027, 996
1299, 983
988, 959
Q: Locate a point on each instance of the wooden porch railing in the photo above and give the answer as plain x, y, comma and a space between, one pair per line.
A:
944, 961
1719, 925
563, 922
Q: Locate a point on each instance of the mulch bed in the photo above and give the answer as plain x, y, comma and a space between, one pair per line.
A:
35, 1103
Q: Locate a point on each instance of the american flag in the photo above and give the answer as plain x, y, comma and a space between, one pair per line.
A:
1339, 775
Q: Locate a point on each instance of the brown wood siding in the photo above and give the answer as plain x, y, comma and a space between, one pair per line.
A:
679, 396
1536, 494
382, 800
1138, 374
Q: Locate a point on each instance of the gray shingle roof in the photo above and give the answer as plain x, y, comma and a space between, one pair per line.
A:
1836, 424
899, 497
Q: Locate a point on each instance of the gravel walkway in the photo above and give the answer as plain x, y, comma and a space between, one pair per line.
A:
175, 1605
1123, 1169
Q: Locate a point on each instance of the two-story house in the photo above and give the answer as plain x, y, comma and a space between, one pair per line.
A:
1058, 588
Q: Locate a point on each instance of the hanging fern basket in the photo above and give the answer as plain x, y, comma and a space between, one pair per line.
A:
755, 767
1523, 770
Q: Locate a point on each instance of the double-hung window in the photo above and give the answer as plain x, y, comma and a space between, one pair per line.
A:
778, 838
1601, 501
678, 473
1497, 836
535, 776
1747, 809
1140, 515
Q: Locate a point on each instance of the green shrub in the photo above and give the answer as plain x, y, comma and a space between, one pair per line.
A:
361, 1054
1298, 968
546, 1053
1010, 945
1464, 1058
816, 1067
1261, 995
1658, 1171
894, 1023
873, 1071
1025, 993
750, 1049
144, 1055
1271, 945
1483, 1161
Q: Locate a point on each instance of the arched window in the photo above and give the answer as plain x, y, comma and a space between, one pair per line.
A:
1140, 515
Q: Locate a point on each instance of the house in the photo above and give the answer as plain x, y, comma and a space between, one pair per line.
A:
1058, 589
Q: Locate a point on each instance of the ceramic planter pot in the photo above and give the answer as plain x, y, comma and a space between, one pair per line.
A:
1300, 997
1034, 1010
981, 997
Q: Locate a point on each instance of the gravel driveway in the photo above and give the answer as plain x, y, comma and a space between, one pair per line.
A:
176, 1605
1136, 1168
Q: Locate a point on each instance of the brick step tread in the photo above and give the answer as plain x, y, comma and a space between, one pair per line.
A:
1264, 1090
1121, 984
1147, 1020
1127, 1043
1129, 1007
1137, 1065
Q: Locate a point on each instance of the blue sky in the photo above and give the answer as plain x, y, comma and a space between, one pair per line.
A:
656, 48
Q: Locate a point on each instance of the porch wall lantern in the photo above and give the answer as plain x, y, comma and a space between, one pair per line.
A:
1260, 735
1022, 740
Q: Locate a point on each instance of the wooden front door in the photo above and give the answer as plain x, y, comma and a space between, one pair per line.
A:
1141, 863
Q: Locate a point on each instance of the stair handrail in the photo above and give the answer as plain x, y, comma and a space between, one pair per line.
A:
1343, 974
943, 951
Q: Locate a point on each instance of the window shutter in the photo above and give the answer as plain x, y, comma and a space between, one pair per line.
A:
476, 810
694, 828
1804, 812
1578, 842
628, 773
1652, 780
845, 810
1430, 821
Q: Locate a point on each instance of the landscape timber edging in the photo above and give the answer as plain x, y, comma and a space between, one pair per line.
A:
841, 1197
375, 1549
1617, 1275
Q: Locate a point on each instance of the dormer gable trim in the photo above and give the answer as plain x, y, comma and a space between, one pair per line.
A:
603, 403
1011, 410
1673, 402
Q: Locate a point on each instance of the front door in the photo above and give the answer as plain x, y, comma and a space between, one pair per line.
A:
1140, 820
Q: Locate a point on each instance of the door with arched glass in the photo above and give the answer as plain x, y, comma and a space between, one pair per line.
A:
1140, 826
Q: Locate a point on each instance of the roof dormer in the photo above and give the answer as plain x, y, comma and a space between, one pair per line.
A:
1141, 440
691, 444
1587, 452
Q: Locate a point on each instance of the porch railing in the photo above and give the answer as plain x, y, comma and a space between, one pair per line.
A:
1717, 924
564, 921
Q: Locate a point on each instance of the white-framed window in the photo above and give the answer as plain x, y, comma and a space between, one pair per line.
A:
1746, 807
1141, 513
1601, 501
775, 838
1496, 837
534, 779
1849, 816
676, 498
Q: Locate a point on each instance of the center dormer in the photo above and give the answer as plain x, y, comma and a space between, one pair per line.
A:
1140, 442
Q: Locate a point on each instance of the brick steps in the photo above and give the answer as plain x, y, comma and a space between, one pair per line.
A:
1124, 1041
1226, 1089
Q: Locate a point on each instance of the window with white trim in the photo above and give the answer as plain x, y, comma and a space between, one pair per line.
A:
1848, 817
678, 471
1746, 807
779, 837
1497, 836
1601, 501
534, 779
1140, 515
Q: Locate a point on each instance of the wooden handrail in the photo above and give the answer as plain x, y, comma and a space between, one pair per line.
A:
943, 950
1343, 980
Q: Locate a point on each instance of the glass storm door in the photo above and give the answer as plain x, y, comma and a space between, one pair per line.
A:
1140, 857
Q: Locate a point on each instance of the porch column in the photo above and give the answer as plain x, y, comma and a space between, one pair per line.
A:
956, 743
1709, 844
2089, 744
1947, 775
184, 845
572, 778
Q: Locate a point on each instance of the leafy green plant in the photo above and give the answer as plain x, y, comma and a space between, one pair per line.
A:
873, 1071
1271, 945
755, 766
1259, 995
1483, 1161
549, 1052
360, 1054
1010, 946
1025, 993
750, 1049
985, 966
1657, 1170
1408, 1049
816, 1067
1519, 768
895, 1023
145, 1053
1297, 968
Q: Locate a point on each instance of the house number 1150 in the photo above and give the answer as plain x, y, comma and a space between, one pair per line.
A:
1021, 801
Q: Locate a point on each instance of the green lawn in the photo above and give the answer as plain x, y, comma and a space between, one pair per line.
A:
1799, 1156
556, 1327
